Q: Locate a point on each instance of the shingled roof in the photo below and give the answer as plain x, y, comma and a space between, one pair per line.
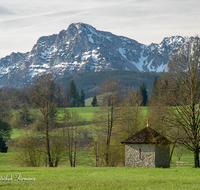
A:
146, 136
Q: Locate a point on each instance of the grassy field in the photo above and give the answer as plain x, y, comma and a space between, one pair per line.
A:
15, 133
85, 112
88, 102
99, 178
88, 112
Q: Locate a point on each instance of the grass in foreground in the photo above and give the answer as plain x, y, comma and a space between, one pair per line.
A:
102, 178
105, 178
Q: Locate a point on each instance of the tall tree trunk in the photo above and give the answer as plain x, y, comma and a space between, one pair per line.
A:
172, 150
69, 147
48, 148
108, 137
196, 157
107, 155
96, 153
74, 164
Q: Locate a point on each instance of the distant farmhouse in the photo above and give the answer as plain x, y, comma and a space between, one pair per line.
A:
147, 148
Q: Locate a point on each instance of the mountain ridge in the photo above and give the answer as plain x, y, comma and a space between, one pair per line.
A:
82, 48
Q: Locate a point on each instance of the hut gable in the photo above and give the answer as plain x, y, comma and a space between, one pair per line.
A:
146, 136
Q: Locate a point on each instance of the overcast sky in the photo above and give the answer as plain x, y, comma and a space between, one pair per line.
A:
22, 22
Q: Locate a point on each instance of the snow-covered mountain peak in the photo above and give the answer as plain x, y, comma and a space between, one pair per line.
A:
173, 41
82, 48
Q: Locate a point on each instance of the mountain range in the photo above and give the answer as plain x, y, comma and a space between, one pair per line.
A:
81, 48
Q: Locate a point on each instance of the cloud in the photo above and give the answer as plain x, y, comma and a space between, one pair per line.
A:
55, 18
143, 20
5, 11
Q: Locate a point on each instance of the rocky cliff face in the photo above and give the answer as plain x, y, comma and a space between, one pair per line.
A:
82, 48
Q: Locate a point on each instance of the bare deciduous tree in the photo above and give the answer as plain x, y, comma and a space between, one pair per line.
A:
129, 121
126, 120
28, 149
182, 95
44, 95
71, 121
110, 95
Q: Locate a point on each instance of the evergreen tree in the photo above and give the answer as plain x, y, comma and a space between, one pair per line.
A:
143, 94
5, 132
155, 82
94, 101
66, 98
77, 99
3, 147
155, 89
82, 98
72, 94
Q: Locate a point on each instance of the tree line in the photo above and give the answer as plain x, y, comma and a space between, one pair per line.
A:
91, 81
142, 94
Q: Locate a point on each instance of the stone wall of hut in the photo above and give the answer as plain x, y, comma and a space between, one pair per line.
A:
146, 155
162, 153
135, 158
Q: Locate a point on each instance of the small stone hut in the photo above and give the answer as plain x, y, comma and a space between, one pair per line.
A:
147, 148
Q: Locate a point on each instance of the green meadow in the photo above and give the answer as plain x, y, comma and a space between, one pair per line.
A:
16, 133
88, 102
85, 177
86, 112
100, 178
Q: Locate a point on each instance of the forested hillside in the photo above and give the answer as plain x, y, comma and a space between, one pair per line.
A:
90, 81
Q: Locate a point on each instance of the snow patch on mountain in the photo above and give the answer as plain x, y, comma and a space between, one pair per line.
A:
141, 62
162, 68
90, 38
122, 52
86, 56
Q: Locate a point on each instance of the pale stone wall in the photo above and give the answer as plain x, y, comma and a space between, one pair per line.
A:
132, 155
162, 156
151, 155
